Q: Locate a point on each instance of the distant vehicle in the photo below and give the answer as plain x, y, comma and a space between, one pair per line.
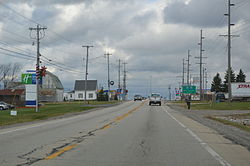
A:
241, 91
6, 105
155, 98
137, 97
220, 97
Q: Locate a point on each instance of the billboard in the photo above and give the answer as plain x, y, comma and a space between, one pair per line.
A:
241, 89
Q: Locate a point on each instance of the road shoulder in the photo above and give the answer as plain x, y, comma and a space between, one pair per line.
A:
229, 151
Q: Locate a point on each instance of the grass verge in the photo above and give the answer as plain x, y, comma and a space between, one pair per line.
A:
227, 122
46, 111
217, 106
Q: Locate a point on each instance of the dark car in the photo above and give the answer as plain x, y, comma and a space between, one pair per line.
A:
137, 97
8, 106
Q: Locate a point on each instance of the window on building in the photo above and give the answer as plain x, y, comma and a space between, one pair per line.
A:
70, 95
91, 95
80, 95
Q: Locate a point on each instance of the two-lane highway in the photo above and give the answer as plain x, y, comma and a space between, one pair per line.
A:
131, 134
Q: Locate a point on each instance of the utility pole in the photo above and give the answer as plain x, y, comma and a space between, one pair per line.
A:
119, 77
183, 71
206, 80
229, 50
38, 37
150, 85
201, 58
124, 81
108, 54
169, 91
86, 74
188, 65
203, 82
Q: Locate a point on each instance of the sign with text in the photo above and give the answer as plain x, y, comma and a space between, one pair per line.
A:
188, 89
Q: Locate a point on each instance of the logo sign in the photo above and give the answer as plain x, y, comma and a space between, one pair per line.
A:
177, 93
29, 78
189, 89
243, 86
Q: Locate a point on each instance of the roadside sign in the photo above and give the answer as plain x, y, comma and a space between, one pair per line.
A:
29, 78
187, 89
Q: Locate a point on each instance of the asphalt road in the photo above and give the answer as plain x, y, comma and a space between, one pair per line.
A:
130, 134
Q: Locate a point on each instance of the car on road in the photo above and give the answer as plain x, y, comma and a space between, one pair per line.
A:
138, 97
155, 98
5, 106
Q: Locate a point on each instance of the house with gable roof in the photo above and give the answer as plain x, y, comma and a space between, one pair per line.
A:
79, 91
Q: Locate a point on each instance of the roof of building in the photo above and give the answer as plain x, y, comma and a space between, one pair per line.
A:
56, 80
80, 85
12, 92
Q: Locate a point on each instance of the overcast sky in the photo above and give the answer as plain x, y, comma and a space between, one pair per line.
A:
151, 36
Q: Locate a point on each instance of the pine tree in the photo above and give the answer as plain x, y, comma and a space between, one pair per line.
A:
241, 77
225, 83
216, 85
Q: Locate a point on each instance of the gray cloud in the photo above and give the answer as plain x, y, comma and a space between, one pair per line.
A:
201, 13
152, 45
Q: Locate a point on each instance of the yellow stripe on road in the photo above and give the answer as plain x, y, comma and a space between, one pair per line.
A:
67, 148
128, 113
105, 126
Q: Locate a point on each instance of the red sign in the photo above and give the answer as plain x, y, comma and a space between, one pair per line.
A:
243, 86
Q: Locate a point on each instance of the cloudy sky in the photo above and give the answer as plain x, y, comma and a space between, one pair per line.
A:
151, 36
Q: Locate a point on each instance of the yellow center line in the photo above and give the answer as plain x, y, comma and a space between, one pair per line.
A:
65, 149
106, 126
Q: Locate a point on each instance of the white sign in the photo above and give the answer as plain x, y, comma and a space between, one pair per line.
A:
13, 113
241, 89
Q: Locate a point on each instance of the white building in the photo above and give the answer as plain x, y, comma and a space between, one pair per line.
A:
51, 89
79, 91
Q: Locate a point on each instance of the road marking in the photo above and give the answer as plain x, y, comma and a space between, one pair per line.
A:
41, 124
119, 118
105, 126
202, 143
65, 149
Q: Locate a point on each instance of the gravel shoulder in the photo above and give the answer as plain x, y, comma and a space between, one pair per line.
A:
234, 134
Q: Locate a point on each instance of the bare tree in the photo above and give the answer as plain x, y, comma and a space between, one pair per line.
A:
8, 72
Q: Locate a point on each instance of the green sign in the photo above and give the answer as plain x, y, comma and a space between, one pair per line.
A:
27, 79
189, 89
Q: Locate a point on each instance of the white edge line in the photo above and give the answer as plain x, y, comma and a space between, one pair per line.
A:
202, 143
38, 125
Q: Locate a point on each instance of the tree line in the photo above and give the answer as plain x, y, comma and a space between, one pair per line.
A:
9, 73
219, 86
